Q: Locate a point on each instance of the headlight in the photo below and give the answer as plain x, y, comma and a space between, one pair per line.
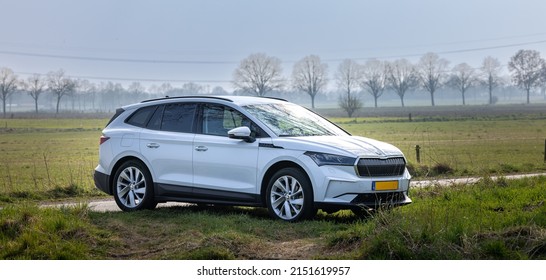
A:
328, 159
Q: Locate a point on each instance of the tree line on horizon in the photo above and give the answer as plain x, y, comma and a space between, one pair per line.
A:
262, 75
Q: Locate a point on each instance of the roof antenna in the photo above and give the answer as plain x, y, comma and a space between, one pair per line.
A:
166, 96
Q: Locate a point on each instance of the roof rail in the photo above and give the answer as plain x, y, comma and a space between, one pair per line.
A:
187, 96
275, 98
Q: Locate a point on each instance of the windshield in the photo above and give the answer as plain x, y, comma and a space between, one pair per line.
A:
287, 120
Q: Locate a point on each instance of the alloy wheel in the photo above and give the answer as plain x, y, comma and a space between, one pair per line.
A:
131, 187
287, 197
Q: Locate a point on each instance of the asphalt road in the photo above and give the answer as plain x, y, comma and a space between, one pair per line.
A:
109, 205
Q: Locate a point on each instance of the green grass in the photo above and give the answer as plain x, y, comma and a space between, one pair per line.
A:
467, 147
48, 158
29, 232
503, 219
489, 220
51, 159
44, 159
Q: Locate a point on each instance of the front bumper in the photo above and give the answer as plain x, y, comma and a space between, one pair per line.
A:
368, 201
338, 187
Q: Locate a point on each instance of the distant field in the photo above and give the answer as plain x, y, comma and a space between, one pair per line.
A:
468, 147
54, 158
48, 158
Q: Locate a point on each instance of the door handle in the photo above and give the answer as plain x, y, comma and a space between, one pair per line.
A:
201, 148
152, 145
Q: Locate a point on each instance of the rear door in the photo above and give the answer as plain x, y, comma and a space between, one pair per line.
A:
167, 143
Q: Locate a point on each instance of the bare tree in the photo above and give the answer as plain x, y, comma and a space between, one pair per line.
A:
192, 89
108, 96
89, 91
374, 78
218, 90
491, 68
60, 85
258, 74
402, 77
310, 75
34, 85
137, 91
348, 77
8, 85
527, 69
462, 78
166, 88
432, 71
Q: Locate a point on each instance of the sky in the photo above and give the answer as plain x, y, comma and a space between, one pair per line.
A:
203, 41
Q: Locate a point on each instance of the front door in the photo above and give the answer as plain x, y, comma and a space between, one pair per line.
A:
224, 168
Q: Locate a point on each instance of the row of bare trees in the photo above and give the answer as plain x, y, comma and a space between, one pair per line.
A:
260, 74
56, 82
86, 95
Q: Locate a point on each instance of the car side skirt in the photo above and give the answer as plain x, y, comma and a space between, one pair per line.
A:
168, 192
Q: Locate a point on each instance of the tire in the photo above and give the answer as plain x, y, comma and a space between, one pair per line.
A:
289, 196
133, 187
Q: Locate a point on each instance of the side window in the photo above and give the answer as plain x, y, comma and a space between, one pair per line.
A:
218, 120
155, 121
141, 116
178, 117
213, 120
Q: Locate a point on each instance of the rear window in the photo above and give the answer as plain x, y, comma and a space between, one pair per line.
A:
141, 116
178, 117
118, 112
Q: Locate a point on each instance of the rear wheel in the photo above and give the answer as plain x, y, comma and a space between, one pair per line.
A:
133, 187
289, 195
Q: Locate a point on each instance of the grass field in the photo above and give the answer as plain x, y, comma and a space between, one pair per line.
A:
462, 147
489, 220
52, 159
55, 158
48, 158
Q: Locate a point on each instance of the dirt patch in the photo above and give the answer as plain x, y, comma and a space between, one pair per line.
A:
298, 249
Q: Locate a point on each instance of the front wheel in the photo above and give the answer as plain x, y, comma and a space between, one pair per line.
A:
289, 195
133, 187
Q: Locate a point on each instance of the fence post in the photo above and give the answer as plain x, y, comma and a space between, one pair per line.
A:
418, 153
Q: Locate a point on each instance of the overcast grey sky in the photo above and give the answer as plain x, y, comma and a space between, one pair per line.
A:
203, 41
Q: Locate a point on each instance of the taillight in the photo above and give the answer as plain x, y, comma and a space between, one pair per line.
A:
103, 139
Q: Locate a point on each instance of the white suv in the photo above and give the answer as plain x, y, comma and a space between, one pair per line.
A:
248, 151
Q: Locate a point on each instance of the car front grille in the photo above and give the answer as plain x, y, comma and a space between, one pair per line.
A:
375, 167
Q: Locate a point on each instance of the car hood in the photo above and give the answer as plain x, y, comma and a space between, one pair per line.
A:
343, 145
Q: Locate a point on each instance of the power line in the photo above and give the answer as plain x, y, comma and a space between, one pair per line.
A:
227, 62
109, 59
222, 62
453, 51
133, 79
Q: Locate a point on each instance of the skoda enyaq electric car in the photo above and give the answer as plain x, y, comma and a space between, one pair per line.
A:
246, 151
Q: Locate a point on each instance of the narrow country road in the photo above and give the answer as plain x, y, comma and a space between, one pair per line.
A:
109, 205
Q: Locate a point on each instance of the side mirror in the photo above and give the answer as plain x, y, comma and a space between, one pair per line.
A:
242, 133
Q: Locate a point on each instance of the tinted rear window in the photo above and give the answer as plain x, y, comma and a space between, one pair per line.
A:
178, 117
141, 116
118, 112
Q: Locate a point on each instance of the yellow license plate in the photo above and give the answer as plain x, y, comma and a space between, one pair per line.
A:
385, 186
